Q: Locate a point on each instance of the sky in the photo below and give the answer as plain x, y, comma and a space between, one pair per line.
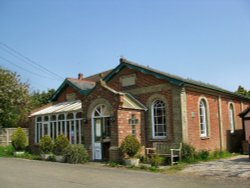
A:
48, 40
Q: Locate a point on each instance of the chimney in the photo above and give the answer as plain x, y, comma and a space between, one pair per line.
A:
80, 76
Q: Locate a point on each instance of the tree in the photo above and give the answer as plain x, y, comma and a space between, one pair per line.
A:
14, 99
39, 99
241, 90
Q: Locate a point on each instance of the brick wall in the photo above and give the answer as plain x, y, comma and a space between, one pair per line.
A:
147, 89
212, 142
66, 91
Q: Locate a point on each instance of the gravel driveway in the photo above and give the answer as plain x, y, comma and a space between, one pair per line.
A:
238, 167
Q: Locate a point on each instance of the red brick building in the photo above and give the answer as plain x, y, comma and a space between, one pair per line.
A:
101, 110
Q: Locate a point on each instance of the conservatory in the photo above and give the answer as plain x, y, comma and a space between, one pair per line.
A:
62, 118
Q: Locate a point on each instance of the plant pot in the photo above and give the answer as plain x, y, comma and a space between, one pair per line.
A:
60, 158
132, 162
45, 156
18, 153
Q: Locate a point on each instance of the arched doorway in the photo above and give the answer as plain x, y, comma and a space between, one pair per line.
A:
100, 132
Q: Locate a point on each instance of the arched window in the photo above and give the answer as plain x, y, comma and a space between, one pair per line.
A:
231, 118
203, 119
159, 119
101, 111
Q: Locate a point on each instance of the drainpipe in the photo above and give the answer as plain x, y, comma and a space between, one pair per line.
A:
220, 123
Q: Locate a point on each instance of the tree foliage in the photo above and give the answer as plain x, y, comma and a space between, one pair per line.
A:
39, 99
242, 91
19, 139
14, 99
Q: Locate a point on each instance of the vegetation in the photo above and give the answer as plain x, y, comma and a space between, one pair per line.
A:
76, 154
130, 146
14, 97
39, 99
242, 91
19, 139
61, 142
16, 102
6, 151
46, 144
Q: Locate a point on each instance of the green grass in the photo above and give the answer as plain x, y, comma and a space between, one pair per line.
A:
6, 151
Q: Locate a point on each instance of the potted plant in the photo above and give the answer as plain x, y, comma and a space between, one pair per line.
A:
130, 147
61, 142
19, 141
46, 146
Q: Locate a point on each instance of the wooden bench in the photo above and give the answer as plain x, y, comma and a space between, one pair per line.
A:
163, 149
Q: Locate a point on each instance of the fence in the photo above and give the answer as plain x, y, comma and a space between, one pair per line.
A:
6, 133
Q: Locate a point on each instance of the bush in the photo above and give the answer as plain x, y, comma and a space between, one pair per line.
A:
34, 149
130, 146
75, 154
203, 155
188, 152
61, 142
6, 151
46, 144
155, 161
19, 139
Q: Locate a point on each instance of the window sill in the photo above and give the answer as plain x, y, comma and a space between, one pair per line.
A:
205, 138
158, 139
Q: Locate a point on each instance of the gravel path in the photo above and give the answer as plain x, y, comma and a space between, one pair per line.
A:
238, 167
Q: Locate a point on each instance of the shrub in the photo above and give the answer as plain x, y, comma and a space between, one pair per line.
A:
34, 149
130, 146
75, 154
203, 155
46, 144
61, 142
6, 151
188, 152
19, 139
155, 161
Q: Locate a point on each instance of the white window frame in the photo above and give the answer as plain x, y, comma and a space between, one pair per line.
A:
153, 115
53, 126
231, 118
203, 121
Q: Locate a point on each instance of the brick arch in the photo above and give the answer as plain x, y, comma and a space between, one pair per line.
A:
98, 102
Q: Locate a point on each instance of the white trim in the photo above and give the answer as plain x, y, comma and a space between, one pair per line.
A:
153, 122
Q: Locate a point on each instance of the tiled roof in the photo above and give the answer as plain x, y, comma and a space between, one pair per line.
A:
97, 77
177, 80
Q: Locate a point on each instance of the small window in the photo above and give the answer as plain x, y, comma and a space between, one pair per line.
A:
203, 119
159, 119
61, 117
70, 116
39, 119
231, 118
46, 118
79, 115
53, 118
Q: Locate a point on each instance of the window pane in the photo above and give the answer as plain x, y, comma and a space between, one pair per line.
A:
159, 118
203, 118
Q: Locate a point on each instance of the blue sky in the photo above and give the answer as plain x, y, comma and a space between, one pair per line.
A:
206, 40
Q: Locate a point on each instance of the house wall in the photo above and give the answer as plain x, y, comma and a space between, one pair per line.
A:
218, 121
65, 92
147, 89
98, 96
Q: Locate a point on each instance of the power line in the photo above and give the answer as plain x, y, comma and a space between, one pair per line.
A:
29, 61
6, 60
